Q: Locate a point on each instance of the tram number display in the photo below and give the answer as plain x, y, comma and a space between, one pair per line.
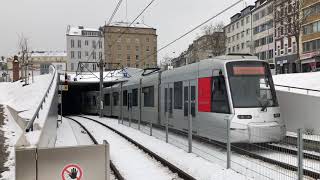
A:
253, 70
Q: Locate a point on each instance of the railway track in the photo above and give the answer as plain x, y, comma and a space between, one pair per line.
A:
112, 166
308, 144
246, 149
165, 163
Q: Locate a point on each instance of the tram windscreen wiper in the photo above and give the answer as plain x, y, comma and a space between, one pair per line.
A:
265, 105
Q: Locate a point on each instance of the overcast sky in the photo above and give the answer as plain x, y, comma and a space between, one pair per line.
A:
44, 22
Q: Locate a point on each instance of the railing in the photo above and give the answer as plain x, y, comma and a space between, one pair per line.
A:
43, 100
305, 89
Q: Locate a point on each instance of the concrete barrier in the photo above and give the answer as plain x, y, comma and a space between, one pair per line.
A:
299, 110
81, 162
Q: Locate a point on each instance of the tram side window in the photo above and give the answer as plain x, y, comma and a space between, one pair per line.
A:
107, 99
94, 101
219, 97
148, 96
125, 98
115, 98
178, 95
134, 97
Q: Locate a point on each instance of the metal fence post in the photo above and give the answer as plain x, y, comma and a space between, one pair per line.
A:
300, 153
228, 144
167, 127
190, 122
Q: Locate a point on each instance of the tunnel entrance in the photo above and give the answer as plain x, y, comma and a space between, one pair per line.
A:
71, 99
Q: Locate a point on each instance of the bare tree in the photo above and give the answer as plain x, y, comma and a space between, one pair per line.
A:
215, 38
24, 49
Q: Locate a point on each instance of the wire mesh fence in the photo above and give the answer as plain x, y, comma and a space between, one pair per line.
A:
257, 153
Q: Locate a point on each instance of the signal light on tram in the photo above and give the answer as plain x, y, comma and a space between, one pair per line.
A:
244, 116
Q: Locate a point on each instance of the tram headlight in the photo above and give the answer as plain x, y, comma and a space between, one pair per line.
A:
277, 115
244, 116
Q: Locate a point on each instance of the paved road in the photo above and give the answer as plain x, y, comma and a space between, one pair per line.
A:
3, 148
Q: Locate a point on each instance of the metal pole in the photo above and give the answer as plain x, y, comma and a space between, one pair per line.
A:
190, 120
61, 101
101, 88
167, 126
300, 154
228, 144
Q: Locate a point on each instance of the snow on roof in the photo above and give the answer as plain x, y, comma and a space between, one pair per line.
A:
48, 53
77, 30
126, 24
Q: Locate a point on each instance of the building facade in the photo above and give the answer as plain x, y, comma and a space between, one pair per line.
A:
239, 32
207, 46
134, 46
262, 30
41, 60
286, 12
310, 36
84, 45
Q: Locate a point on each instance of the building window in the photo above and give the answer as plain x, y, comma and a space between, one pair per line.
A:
237, 25
72, 43
147, 49
128, 57
72, 66
247, 19
94, 56
147, 39
79, 54
137, 48
86, 43
94, 44
242, 34
248, 30
148, 96
242, 22
79, 43
72, 54
86, 53
137, 57
100, 44
94, 67
100, 55
242, 45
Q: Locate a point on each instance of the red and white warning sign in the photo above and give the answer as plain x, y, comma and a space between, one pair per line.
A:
71, 171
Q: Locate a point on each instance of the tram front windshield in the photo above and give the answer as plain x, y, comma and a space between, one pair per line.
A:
251, 84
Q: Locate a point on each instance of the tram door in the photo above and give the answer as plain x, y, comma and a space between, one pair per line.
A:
189, 103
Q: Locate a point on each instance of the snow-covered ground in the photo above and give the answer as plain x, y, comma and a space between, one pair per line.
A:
196, 166
24, 100
309, 80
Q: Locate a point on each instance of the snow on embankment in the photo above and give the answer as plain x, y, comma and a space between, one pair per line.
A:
22, 103
24, 99
300, 80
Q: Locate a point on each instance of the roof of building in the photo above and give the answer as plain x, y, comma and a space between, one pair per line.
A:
126, 24
77, 30
48, 53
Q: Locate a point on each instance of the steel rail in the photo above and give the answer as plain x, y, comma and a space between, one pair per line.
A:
40, 106
166, 163
112, 166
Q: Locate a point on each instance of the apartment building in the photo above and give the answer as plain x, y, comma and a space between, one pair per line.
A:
286, 13
84, 45
239, 32
262, 30
310, 36
134, 46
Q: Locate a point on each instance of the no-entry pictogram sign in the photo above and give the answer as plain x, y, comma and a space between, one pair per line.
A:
71, 171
